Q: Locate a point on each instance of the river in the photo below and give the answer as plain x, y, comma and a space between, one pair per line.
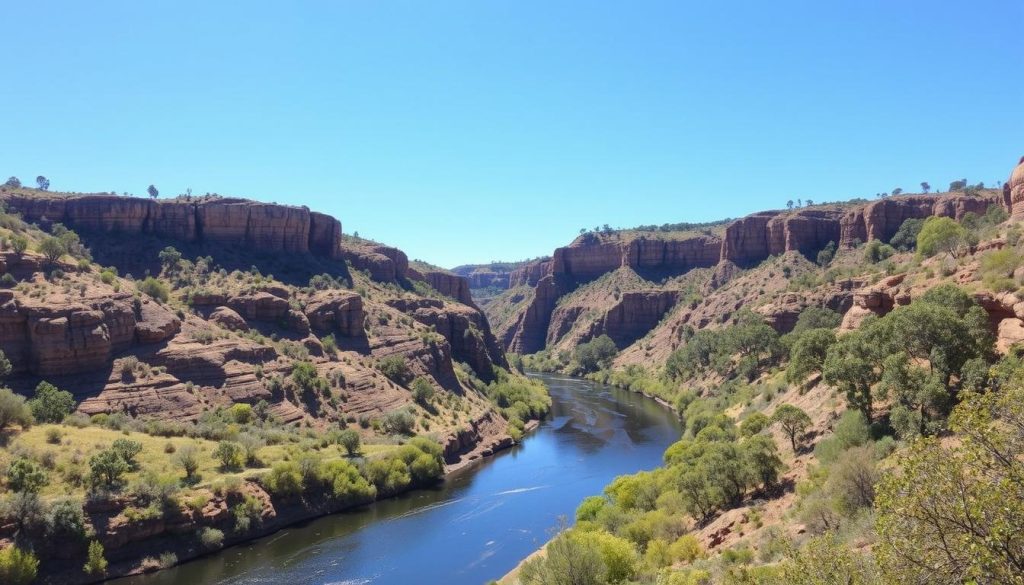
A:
476, 525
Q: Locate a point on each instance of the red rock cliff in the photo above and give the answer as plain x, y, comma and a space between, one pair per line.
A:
258, 226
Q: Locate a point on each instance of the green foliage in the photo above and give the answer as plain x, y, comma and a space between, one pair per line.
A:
108, 467
754, 424
518, 397
942, 234
230, 454
816, 318
13, 410
65, 521
155, 288
394, 368
344, 483
398, 422
905, 238
875, 251
595, 354
826, 254
24, 476
953, 514
51, 404
96, 565
5, 365
808, 354
911, 354
187, 458
19, 244
211, 538
52, 248
793, 421
17, 566
284, 479
825, 561
307, 379
422, 390
128, 450
737, 350
350, 440
170, 258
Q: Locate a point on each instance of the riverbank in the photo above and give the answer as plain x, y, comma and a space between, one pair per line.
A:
480, 522
511, 577
146, 544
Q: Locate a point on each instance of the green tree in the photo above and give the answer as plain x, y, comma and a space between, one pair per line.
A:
24, 476
170, 258
394, 368
808, 354
187, 458
942, 234
905, 238
230, 454
761, 456
52, 248
17, 566
422, 390
96, 563
793, 421
824, 560
952, 514
153, 192
817, 318
108, 467
50, 404
19, 244
827, 254
13, 410
43, 183
567, 561
350, 441
155, 288
128, 450
595, 354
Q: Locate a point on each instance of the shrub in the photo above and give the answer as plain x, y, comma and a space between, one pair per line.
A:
52, 248
17, 567
19, 244
350, 440
187, 458
284, 479
107, 467
65, 521
128, 450
398, 422
422, 390
595, 354
211, 538
24, 476
394, 368
155, 289
241, 413
942, 234
96, 565
230, 454
13, 410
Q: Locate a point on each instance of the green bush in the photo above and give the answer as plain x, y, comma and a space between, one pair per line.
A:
155, 289
394, 368
422, 390
230, 454
24, 476
13, 410
17, 566
96, 563
211, 538
284, 479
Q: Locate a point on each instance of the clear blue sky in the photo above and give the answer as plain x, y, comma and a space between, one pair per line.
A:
479, 130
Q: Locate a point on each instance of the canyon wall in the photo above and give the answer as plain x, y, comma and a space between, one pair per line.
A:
265, 227
745, 242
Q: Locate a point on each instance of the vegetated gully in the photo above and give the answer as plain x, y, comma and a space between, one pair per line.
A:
474, 526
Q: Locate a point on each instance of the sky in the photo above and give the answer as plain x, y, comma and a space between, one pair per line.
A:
471, 131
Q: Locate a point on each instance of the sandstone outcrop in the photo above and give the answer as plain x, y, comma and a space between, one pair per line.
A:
529, 274
881, 219
446, 283
229, 319
263, 227
384, 263
339, 312
1013, 191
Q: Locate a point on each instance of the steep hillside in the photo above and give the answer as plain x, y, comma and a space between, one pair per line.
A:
487, 281
248, 333
851, 419
659, 258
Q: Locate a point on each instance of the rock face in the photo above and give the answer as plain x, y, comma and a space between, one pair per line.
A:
338, 312
53, 338
446, 283
464, 327
880, 220
745, 242
257, 226
635, 314
384, 263
1013, 191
